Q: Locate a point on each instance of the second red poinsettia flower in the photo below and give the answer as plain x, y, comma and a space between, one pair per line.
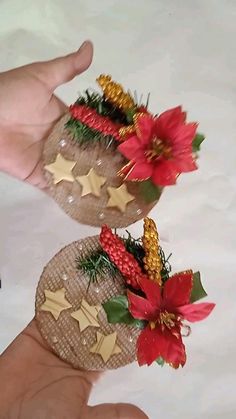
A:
164, 310
161, 148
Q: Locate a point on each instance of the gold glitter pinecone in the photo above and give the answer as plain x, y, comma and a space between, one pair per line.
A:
152, 260
115, 94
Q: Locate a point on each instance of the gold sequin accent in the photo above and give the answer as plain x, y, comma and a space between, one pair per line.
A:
152, 260
115, 93
131, 128
126, 130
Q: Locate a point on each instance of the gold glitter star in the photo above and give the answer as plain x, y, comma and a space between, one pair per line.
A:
55, 302
106, 346
91, 183
86, 315
119, 197
61, 169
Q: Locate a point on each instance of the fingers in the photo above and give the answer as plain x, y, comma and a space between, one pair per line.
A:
115, 411
93, 376
36, 177
63, 69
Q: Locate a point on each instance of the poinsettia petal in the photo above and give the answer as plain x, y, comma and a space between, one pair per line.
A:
186, 163
141, 308
156, 343
184, 134
167, 123
132, 148
148, 348
196, 312
144, 128
165, 173
174, 350
177, 290
140, 171
173, 116
152, 291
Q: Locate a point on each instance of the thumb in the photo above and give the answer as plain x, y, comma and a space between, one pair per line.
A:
115, 411
60, 70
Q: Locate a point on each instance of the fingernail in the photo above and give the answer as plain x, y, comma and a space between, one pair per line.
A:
83, 46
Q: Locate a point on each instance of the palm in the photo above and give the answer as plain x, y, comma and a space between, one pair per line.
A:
43, 385
36, 384
29, 109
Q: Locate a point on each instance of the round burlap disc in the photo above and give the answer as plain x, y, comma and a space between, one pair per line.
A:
63, 335
107, 162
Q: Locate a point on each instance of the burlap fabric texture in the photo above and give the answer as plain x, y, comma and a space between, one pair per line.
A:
63, 335
107, 162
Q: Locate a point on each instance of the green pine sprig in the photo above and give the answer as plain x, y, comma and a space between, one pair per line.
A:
166, 266
134, 246
96, 265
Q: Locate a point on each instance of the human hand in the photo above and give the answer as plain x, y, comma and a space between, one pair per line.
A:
35, 383
29, 109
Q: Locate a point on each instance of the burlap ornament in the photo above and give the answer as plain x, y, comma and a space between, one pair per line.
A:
63, 335
107, 162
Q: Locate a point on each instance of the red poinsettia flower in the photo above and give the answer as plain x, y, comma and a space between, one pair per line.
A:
165, 309
161, 148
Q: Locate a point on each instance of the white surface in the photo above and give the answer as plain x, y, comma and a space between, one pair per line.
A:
183, 52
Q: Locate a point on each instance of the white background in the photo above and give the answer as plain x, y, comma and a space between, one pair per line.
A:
183, 52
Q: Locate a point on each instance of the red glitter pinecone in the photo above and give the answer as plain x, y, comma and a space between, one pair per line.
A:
92, 119
125, 261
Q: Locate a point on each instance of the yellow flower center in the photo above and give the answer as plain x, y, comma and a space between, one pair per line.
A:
159, 149
165, 320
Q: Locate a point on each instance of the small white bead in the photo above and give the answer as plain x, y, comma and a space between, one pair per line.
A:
70, 199
64, 277
130, 338
62, 143
84, 341
54, 339
101, 215
99, 162
97, 289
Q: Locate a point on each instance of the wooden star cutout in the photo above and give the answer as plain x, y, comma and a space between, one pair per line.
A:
61, 169
119, 197
86, 315
91, 183
55, 302
106, 346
